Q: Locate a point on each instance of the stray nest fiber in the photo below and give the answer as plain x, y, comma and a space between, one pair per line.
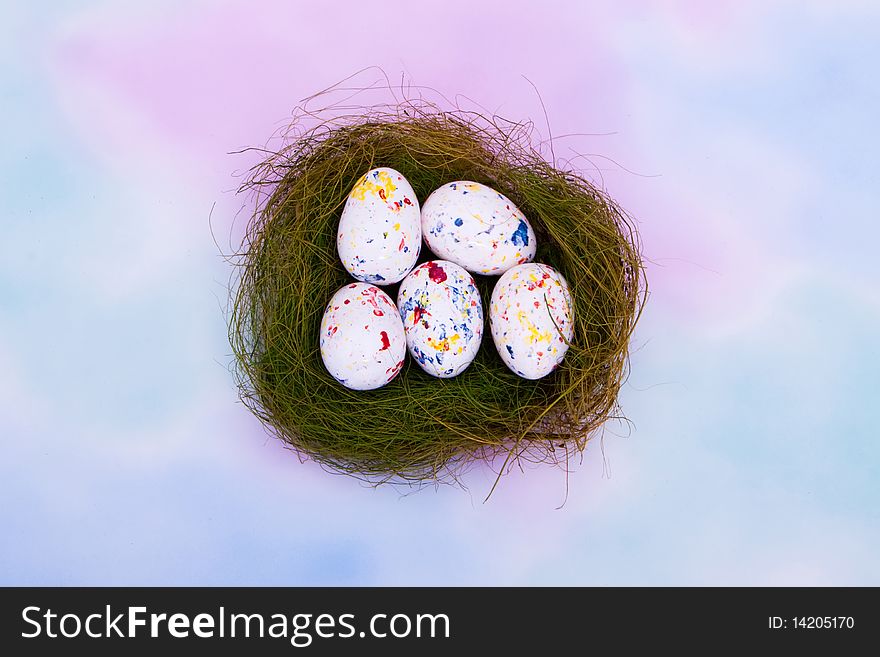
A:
419, 427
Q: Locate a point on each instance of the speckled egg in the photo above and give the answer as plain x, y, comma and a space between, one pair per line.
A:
532, 319
362, 340
443, 317
380, 234
477, 228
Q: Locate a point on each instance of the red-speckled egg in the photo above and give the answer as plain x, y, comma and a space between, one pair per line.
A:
362, 340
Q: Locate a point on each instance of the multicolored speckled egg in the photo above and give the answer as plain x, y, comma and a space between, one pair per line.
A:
362, 340
443, 317
380, 234
532, 319
477, 228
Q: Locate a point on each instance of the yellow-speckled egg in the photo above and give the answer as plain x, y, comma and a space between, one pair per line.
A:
532, 319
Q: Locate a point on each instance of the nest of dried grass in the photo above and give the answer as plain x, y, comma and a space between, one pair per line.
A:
419, 427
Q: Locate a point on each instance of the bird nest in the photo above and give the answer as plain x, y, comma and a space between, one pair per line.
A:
420, 427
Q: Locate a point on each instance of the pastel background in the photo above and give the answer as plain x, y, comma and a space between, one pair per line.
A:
742, 135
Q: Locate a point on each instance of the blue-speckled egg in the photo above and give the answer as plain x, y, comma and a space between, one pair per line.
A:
476, 227
442, 316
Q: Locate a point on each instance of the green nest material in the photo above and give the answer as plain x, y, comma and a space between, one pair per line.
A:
419, 427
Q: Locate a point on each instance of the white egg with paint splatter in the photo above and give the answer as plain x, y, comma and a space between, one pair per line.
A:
380, 234
362, 340
443, 317
476, 227
532, 319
